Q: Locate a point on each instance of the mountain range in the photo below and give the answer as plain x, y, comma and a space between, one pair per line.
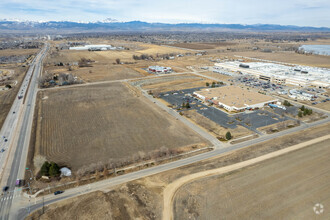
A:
112, 25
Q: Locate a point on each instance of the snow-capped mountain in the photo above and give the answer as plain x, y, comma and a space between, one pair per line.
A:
113, 25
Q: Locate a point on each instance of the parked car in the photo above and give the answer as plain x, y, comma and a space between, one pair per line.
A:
58, 192
19, 182
2, 150
5, 188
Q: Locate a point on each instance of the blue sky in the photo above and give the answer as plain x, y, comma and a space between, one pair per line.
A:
286, 12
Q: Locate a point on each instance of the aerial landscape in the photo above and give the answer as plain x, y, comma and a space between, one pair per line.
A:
165, 110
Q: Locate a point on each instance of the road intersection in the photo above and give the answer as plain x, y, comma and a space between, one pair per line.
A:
18, 130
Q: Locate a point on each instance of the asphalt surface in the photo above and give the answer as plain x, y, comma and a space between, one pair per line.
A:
19, 127
112, 182
249, 119
26, 205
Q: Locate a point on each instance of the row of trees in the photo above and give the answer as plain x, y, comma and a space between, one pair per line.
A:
122, 162
214, 84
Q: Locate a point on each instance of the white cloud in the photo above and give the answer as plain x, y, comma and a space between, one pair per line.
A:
294, 12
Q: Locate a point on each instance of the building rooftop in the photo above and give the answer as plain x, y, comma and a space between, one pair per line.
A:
235, 96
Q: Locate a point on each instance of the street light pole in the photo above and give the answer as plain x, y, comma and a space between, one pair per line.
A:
30, 172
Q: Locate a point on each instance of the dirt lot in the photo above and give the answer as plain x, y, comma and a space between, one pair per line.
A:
104, 68
214, 128
90, 124
10, 52
8, 96
171, 83
290, 57
286, 187
143, 197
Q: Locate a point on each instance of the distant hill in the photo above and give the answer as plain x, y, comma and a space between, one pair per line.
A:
7, 26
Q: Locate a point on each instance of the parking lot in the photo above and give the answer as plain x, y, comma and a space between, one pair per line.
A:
249, 119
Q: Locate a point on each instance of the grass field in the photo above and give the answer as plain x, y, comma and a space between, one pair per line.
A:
203, 46
286, 187
17, 52
8, 96
104, 68
290, 57
90, 124
170, 83
143, 197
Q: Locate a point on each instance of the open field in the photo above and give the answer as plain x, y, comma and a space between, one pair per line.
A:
214, 128
285, 187
103, 65
144, 196
171, 83
203, 46
100, 72
16, 52
90, 124
289, 57
8, 96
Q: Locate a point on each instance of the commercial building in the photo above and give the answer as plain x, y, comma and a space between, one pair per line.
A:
234, 98
93, 47
159, 69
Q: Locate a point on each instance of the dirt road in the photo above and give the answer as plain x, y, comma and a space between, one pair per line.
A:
172, 188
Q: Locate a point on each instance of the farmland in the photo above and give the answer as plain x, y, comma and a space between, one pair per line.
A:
8, 96
170, 83
143, 197
97, 123
284, 187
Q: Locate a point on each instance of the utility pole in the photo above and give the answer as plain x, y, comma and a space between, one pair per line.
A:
43, 204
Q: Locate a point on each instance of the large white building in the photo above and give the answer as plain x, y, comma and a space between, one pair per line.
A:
92, 47
300, 76
234, 98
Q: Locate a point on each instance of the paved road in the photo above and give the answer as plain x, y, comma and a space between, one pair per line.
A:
18, 129
21, 209
108, 183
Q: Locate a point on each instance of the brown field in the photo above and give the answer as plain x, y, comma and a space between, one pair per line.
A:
286, 187
290, 57
104, 67
101, 72
7, 97
84, 125
170, 83
143, 198
10, 52
214, 128
203, 46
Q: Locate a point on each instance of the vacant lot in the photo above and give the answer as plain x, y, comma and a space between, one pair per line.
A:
286, 187
170, 83
143, 197
17, 52
203, 46
103, 65
290, 57
90, 124
7, 97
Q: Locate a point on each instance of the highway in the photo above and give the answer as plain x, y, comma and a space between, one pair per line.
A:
16, 206
37, 203
17, 130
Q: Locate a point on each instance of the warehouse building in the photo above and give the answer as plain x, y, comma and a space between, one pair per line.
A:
234, 98
92, 47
